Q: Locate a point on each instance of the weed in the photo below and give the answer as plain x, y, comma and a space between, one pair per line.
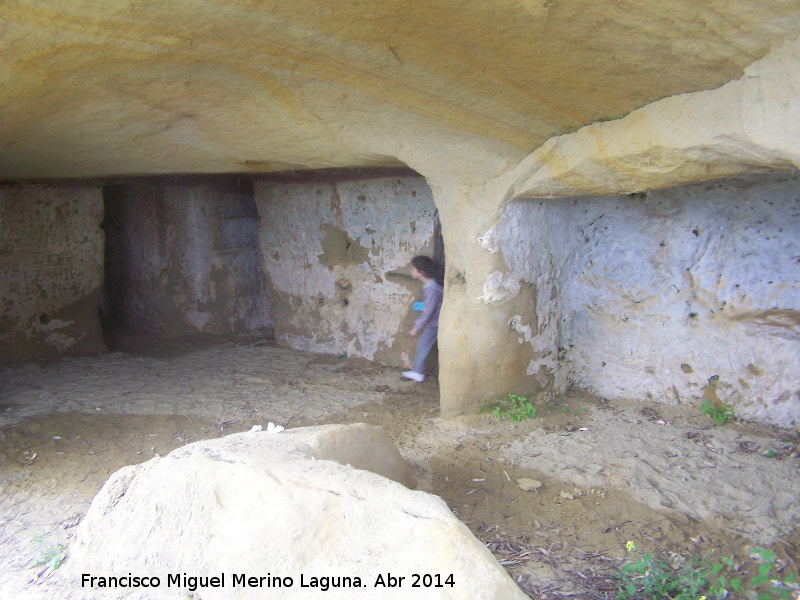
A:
703, 579
519, 409
720, 414
49, 555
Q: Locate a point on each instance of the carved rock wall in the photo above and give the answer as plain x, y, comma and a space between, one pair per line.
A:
680, 295
51, 270
183, 257
337, 252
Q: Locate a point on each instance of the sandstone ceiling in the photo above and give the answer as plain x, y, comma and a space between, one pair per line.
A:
92, 89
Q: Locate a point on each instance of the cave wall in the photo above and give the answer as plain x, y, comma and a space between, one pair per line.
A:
183, 256
336, 251
51, 270
178, 256
678, 295
748, 125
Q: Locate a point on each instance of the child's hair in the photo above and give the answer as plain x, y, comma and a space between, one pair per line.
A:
429, 267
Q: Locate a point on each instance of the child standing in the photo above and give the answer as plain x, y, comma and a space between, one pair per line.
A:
431, 274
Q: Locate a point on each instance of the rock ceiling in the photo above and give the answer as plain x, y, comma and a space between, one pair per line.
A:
94, 89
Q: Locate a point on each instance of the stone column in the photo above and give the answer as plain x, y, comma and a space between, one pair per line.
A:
487, 318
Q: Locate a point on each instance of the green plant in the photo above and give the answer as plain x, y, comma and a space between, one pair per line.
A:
703, 579
519, 409
769, 577
49, 555
720, 414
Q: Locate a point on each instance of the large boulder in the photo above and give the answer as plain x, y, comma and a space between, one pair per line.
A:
257, 515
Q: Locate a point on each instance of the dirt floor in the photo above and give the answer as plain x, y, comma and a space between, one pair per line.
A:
555, 497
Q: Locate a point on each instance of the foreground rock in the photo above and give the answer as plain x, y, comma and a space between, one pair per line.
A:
256, 515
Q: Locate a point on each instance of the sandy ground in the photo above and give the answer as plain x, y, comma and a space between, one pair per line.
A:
662, 476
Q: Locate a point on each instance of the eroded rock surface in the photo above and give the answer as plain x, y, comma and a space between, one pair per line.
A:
95, 90
284, 505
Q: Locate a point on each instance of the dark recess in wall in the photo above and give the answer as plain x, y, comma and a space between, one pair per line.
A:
111, 312
152, 228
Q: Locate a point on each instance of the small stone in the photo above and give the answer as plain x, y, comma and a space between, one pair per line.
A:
528, 485
567, 496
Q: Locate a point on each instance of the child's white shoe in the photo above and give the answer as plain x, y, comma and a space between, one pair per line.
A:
414, 376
